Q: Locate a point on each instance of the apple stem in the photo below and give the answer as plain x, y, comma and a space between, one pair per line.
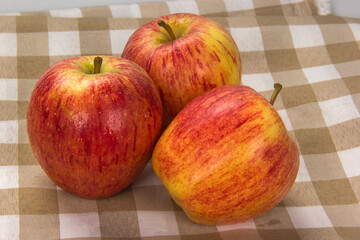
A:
97, 64
166, 26
277, 89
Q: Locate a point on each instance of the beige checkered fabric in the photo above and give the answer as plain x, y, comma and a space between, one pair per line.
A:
316, 59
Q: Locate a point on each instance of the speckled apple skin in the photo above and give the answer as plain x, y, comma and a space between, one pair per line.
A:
227, 157
203, 56
93, 133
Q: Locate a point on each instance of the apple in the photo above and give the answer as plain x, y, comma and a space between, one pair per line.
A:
227, 157
92, 123
185, 55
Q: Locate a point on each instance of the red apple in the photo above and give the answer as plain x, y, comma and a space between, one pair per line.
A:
185, 55
92, 126
227, 156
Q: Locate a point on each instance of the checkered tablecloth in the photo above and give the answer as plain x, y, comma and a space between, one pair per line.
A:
315, 57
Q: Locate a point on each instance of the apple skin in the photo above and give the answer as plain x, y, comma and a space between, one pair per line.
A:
203, 56
231, 161
94, 133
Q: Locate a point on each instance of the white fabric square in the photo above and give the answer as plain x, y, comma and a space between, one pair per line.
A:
9, 227
64, 43
338, 110
8, 44
9, 131
285, 118
123, 11
74, 13
303, 174
183, 6
250, 224
355, 28
306, 36
8, 89
157, 223
233, 5
147, 178
9, 177
351, 161
79, 225
259, 81
309, 217
321, 73
119, 39
248, 39
284, 2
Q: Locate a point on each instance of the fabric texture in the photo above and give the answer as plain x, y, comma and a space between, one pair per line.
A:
316, 59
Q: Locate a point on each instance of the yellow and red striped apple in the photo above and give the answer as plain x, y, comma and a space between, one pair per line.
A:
227, 156
92, 124
185, 55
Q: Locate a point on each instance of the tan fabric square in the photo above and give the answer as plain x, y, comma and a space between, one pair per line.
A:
276, 218
343, 52
349, 69
324, 166
305, 20
153, 9
7, 24
125, 197
344, 215
96, 12
25, 88
208, 7
298, 95
116, 224
207, 236
243, 21
26, 156
21, 109
9, 154
8, 66
8, 110
356, 99
56, 59
307, 59
152, 198
9, 204
271, 10
348, 233
32, 44
262, 3
279, 234
253, 62
330, 89
44, 226
62, 24
122, 23
306, 116
335, 192
31, 24
93, 24
99, 44
346, 135
314, 141
301, 194
355, 184
70, 203
241, 234
22, 132
318, 234
38, 201
35, 13
282, 60
247, 12
290, 78
222, 21
330, 19
186, 226
276, 37
32, 67
336, 33
299, 9
33, 176
352, 83
274, 21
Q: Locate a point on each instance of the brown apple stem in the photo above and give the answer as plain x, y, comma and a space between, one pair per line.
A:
166, 26
97, 64
277, 89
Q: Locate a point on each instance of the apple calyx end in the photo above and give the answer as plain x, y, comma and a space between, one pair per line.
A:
277, 89
165, 25
97, 64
